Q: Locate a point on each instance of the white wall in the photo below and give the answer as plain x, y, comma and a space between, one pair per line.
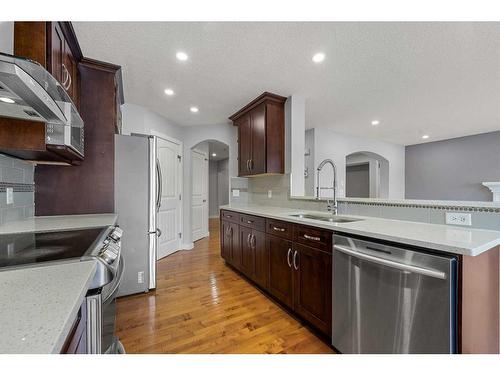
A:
194, 135
7, 37
336, 146
138, 119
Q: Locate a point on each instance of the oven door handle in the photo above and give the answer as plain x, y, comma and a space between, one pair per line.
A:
118, 280
391, 263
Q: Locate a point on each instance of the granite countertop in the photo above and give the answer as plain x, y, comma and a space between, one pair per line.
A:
446, 238
63, 222
39, 305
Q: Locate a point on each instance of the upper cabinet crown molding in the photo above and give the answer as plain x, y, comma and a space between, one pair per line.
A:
261, 136
265, 97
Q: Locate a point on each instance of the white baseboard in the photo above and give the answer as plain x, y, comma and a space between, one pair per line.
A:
188, 246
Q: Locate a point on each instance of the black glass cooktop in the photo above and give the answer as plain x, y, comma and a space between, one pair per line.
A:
28, 248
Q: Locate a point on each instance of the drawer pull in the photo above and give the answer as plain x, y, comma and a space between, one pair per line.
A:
249, 221
279, 229
313, 238
229, 215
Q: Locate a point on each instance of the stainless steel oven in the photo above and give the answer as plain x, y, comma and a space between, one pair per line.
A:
389, 299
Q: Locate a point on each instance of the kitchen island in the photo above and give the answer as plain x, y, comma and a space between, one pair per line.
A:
272, 241
39, 305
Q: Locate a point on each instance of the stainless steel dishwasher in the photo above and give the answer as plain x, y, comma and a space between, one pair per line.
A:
392, 300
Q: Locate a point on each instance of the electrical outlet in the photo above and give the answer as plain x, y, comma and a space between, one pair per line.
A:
140, 277
10, 195
236, 193
269, 193
458, 218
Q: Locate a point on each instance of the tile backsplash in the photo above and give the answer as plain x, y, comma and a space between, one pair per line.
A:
17, 175
258, 190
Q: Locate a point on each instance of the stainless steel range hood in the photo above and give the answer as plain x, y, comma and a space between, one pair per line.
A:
28, 91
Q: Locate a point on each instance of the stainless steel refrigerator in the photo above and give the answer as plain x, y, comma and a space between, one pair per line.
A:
137, 200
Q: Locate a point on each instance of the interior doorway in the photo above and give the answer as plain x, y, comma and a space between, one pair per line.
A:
210, 184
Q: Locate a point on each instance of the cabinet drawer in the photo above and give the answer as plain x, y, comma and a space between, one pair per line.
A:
279, 228
254, 222
230, 216
317, 238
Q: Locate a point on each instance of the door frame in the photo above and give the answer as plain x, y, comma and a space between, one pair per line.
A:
206, 233
181, 181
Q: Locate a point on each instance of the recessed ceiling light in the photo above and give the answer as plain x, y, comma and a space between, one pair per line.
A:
318, 57
214, 154
169, 92
194, 109
375, 122
181, 56
425, 136
7, 100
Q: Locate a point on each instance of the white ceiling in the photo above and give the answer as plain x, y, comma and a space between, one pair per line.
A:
441, 79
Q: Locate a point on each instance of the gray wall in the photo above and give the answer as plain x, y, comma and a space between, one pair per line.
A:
213, 200
358, 181
17, 175
218, 186
453, 169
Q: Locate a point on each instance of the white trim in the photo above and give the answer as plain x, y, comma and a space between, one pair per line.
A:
181, 179
205, 156
187, 246
495, 189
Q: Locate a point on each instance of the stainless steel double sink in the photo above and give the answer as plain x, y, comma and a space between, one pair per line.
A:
327, 218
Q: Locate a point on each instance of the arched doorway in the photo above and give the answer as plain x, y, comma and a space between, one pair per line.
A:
367, 175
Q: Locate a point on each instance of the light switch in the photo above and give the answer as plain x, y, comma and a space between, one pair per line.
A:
269, 193
236, 193
10, 195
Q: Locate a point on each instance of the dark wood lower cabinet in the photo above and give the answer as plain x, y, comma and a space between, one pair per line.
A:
280, 269
313, 286
230, 244
247, 252
297, 275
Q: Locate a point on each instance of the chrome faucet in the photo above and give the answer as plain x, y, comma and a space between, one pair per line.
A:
331, 205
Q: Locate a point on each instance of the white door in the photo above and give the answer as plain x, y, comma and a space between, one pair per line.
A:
199, 211
169, 213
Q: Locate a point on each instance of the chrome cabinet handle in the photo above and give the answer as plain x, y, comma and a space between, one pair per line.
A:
288, 258
229, 216
279, 229
253, 241
295, 260
391, 263
313, 238
248, 165
249, 221
248, 240
251, 164
65, 76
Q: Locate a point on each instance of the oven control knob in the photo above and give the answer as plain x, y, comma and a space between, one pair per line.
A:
108, 255
116, 234
114, 247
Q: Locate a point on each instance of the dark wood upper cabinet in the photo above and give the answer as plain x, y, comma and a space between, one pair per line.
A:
313, 285
55, 47
261, 136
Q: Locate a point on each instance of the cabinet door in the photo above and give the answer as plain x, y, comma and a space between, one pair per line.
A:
57, 52
245, 145
280, 269
70, 74
225, 241
247, 252
258, 156
261, 274
313, 286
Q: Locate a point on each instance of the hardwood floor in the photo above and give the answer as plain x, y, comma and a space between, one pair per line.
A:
202, 306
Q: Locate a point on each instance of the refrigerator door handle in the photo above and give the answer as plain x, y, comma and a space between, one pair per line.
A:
159, 186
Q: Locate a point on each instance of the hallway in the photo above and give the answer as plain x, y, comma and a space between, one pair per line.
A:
202, 306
